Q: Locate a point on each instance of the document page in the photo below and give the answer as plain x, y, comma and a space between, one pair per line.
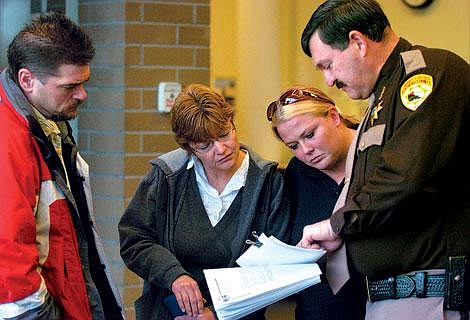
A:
273, 251
233, 284
237, 292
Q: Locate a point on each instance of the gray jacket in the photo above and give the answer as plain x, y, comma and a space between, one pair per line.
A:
146, 228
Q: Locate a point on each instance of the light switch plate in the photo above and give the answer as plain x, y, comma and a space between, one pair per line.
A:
167, 93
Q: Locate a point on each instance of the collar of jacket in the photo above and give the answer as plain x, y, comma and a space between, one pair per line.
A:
24, 108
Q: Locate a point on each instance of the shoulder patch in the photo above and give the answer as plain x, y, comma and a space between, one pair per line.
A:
415, 90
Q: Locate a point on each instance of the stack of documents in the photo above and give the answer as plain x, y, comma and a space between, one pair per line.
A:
269, 271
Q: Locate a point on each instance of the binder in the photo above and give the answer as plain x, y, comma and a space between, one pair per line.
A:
269, 271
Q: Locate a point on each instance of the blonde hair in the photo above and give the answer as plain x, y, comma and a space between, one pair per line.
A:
311, 100
200, 114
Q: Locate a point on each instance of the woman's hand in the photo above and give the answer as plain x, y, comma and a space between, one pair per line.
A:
188, 295
185, 317
206, 314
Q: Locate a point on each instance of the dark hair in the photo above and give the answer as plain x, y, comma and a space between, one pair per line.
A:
47, 43
334, 19
200, 114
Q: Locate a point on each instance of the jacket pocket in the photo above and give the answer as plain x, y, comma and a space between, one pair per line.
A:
373, 136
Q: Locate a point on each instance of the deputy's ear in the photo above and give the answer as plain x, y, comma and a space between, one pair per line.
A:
26, 79
359, 41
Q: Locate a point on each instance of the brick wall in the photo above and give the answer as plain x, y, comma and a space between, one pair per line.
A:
139, 44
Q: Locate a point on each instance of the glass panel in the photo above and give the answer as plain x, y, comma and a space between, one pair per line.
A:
52, 5
56, 5
35, 6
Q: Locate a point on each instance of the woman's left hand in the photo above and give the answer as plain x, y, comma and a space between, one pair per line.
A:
206, 314
188, 295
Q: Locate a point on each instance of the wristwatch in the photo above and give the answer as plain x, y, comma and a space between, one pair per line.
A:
417, 3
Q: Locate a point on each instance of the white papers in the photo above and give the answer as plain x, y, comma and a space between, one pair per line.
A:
273, 251
237, 292
268, 273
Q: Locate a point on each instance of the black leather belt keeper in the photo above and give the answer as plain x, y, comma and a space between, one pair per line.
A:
419, 284
454, 298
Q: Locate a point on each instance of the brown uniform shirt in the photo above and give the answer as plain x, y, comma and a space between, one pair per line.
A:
408, 206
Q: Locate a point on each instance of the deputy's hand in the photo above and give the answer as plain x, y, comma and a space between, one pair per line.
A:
188, 295
320, 235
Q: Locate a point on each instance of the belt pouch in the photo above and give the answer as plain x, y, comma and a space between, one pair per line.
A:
454, 283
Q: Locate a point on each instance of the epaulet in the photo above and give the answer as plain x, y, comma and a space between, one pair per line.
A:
413, 60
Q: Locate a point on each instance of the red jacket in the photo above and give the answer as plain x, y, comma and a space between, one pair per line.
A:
37, 235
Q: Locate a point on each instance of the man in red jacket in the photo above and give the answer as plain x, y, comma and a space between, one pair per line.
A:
52, 263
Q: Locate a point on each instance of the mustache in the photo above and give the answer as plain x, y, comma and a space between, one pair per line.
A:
339, 84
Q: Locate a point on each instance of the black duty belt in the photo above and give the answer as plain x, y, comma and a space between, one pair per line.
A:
419, 284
